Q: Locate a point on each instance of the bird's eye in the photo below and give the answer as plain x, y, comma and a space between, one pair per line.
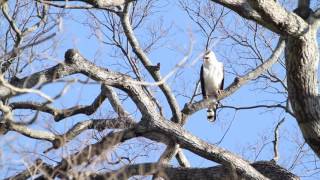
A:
206, 58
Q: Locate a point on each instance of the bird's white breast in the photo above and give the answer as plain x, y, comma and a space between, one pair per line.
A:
213, 76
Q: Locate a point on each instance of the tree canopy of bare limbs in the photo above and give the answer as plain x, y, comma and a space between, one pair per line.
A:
137, 71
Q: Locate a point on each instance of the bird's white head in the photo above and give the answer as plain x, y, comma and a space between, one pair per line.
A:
209, 57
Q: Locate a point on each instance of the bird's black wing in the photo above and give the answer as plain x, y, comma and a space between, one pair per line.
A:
203, 89
222, 82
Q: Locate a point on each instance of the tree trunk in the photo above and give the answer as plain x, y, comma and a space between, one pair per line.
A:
301, 55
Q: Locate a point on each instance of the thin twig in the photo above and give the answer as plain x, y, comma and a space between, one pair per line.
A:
275, 141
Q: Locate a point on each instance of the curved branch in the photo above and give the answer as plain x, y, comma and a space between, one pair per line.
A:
61, 114
143, 101
243, 8
286, 23
147, 63
238, 82
97, 124
275, 141
269, 14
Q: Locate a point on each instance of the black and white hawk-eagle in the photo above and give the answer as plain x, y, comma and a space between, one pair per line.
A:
212, 79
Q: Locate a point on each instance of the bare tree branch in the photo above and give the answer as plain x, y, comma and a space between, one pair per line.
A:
151, 119
16, 90
13, 25
287, 23
87, 153
147, 63
261, 106
205, 150
97, 124
61, 114
268, 169
101, 4
32, 133
115, 102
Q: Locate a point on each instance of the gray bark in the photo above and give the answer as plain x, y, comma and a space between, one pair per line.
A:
302, 60
299, 29
268, 169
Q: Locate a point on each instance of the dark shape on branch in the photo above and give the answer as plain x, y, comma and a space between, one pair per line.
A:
69, 56
154, 68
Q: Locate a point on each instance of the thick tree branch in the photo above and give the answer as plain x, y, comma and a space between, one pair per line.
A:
274, 14
243, 8
268, 14
100, 4
88, 110
24, 130
75, 63
118, 80
17, 90
45, 76
302, 61
7, 124
268, 169
220, 171
203, 149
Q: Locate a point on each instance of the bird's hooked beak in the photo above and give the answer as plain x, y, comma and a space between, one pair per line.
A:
206, 57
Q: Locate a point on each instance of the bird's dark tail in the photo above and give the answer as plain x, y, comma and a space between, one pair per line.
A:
211, 113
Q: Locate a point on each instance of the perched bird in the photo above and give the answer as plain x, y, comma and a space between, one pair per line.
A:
212, 79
